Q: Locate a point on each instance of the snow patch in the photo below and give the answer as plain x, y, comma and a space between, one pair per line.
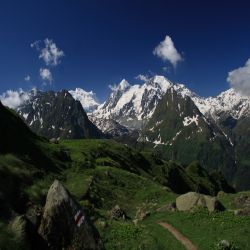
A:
188, 120
174, 138
87, 99
25, 116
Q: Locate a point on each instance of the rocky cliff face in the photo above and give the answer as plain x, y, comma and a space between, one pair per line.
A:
57, 114
64, 223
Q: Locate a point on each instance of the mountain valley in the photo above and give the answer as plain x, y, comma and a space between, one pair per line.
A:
158, 115
117, 171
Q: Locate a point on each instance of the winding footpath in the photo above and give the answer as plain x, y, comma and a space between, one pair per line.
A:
179, 236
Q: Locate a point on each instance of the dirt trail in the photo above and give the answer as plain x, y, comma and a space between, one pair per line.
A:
180, 237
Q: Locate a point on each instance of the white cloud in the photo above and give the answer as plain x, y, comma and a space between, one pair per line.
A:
14, 99
46, 75
142, 77
167, 51
49, 52
239, 79
166, 69
27, 78
36, 45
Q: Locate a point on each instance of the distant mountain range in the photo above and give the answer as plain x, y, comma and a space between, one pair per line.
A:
131, 104
158, 114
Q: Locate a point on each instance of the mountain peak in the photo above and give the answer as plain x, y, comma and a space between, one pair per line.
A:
123, 85
87, 99
57, 114
163, 82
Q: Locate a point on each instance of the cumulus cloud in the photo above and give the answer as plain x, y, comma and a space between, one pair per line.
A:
13, 99
142, 77
48, 52
167, 51
46, 75
27, 78
239, 79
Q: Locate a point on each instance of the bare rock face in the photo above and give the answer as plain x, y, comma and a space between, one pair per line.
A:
192, 200
64, 224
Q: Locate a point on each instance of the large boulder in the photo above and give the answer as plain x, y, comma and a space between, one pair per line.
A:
192, 200
64, 224
26, 234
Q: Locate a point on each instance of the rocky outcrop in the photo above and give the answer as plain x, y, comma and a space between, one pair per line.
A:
117, 213
142, 213
243, 204
64, 223
171, 207
57, 114
192, 200
26, 235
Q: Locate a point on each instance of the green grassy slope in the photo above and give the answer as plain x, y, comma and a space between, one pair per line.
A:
101, 174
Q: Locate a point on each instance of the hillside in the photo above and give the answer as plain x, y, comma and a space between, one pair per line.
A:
185, 135
209, 124
99, 174
131, 111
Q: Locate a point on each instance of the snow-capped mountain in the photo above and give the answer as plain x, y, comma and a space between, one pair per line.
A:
181, 132
131, 105
87, 99
228, 103
109, 127
57, 114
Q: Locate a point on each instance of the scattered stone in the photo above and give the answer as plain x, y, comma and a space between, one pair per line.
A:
34, 214
64, 223
242, 212
26, 233
192, 200
243, 201
220, 194
19, 226
54, 140
135, 221
224, 245
171, 207
102, 223
142, 213
117, 213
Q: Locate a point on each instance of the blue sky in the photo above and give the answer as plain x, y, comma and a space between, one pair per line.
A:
104, 41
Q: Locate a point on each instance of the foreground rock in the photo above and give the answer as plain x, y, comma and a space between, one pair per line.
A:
192, 200
243, 212
64, 224
171, 207
142, 213
26, 234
